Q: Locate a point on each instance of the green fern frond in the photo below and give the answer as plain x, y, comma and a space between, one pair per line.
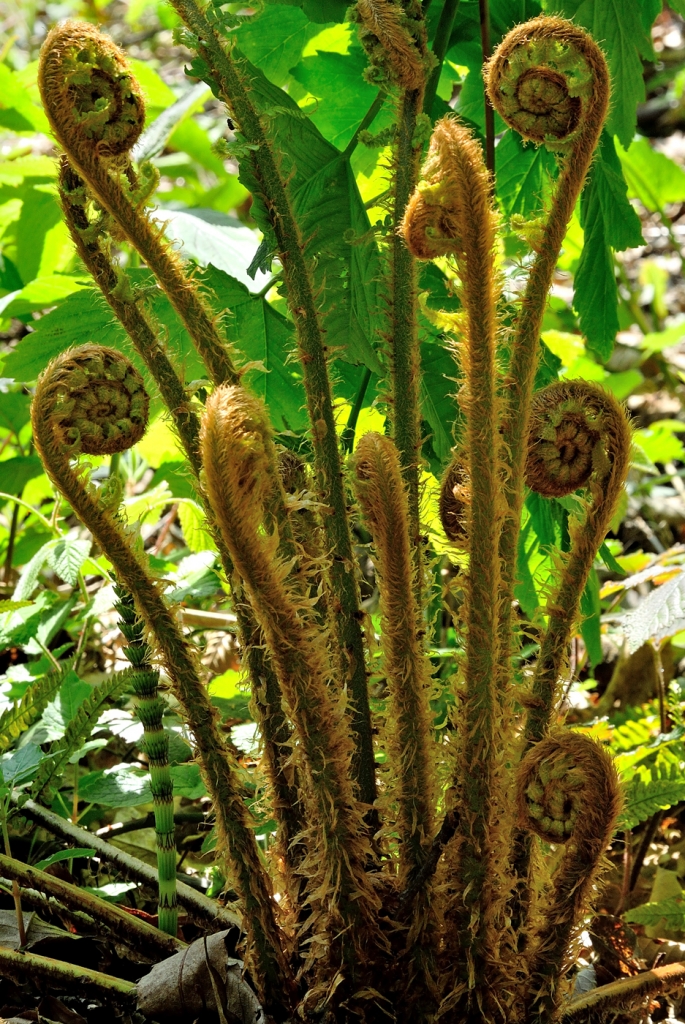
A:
77, 733
669, 913
23, 713
656, 790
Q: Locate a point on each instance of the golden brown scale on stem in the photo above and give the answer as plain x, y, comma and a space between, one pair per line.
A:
451, 212
568, 793
382, 496
239, 460
549, 81
91, 400
96, 113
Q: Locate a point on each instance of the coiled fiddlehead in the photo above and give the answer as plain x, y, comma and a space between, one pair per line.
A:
394, 42
549, 81
568, 792
579, 437
90, 92
78, 409
96, 113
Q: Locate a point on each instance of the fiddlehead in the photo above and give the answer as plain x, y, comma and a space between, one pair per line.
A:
568, 793
239, 459
549, 81
579, 437
150, 706
394, 42
91, 400
382, 496
90, 92
451, 211
96, 113
454, 501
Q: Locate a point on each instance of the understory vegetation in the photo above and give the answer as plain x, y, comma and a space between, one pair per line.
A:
342, 511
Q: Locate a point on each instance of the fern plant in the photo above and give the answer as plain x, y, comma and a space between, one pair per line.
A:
426, 891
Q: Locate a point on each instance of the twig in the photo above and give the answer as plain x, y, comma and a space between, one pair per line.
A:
624, 994
199, 908
136, 934
64, 977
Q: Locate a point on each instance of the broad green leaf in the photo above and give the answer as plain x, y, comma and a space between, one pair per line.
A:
67, 556
669, 912
194, 526
61, 711
21, 766
41, 293
343, 95
659, 441
17, 111
659, 615
618, 26
31, 571
15, 411
332, 220
621, 222
263, 335
187, 781
274, 40
524, 175
211, 237
15, 473
121, 786
652, 177
60, 855
438, 407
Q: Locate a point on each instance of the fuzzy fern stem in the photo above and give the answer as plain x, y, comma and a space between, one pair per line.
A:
91, 400
236, 443
145, 682
549, 81
96, 113
451, 212
233, 84
91, 240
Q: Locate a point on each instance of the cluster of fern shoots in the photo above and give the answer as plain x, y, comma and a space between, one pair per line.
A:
423, 891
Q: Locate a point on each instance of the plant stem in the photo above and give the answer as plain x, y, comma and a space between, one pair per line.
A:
484, 13
347, 438
404, 332
623, 995
203, 911
56, 975
439, 48
16, 895
7, 573
304, 307
366, 121
137, 934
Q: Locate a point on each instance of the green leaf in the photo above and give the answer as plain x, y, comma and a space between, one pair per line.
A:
524, 175
66, 558
17, 719
60, 855
61, 711
16, 101
343, 96
591, 611
210, 237
274, 40
652, 177
29, 575
621, 222
659, 615
669, 912
15, 473
121, 786
263, 335
438, 406
78, 730
15, 410
39, 294
20, 767
194, 526
649, 791
187, 781
332, 221
617, 25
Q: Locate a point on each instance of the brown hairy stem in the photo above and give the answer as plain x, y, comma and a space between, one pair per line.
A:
237, 451
79, 69
530, 87
62, 428
624, 995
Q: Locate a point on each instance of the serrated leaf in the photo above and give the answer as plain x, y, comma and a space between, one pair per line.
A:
652, 177
335, 79
15, 411
647, 793
187, 781
669, 912
194, 526
17, 719
121, 786
29, 575
20, 767
524, 175
274, 40
78, 730
63, 709
67, 557
212, 237
659, 615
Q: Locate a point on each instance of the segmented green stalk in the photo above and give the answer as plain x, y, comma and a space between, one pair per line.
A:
150, 706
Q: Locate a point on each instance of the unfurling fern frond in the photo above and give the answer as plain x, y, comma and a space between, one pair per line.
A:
23, 713
77, 733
